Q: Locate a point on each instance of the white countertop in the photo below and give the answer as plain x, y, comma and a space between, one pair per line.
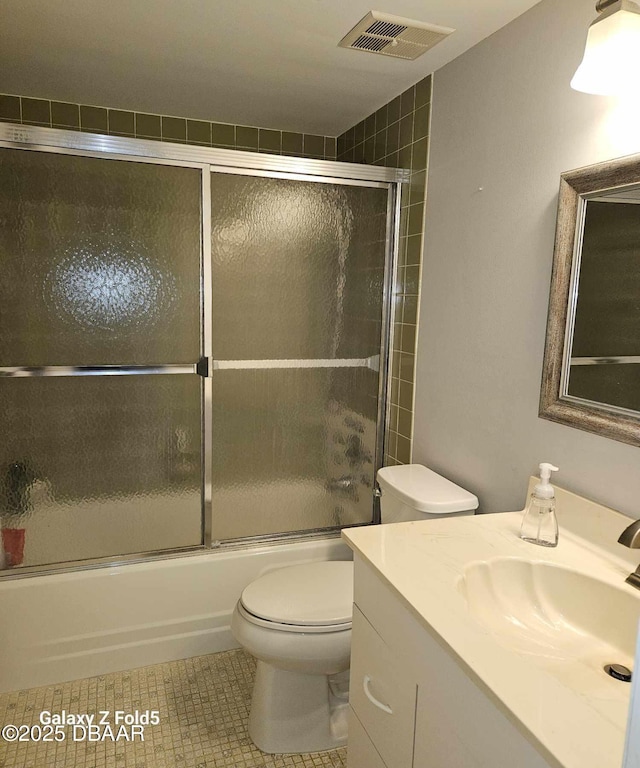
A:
423, 562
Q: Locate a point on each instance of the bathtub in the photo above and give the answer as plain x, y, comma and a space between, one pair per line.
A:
67, 626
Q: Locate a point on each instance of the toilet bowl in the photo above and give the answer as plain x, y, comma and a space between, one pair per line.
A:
296, 621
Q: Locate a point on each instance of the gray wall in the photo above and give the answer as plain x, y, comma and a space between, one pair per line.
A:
506, 120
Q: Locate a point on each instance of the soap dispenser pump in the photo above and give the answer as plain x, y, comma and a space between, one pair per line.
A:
539, 524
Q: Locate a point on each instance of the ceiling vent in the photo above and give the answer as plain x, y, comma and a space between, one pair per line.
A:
393, 36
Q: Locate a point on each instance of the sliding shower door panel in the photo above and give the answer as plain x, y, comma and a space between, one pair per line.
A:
298, 276
100, 276
100, 261
100, 466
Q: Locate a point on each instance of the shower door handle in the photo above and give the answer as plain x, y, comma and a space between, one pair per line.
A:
372, 363
203, 368
206, 365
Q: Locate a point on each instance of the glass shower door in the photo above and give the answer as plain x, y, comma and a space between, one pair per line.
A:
100, 326
298, 274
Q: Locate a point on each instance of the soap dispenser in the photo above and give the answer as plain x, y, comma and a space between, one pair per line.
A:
539, 524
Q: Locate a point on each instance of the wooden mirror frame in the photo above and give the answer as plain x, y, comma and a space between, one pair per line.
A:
608, 421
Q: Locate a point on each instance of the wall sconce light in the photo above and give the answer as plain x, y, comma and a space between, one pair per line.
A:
611, 63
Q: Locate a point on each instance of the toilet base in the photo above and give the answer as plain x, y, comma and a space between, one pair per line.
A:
293, 712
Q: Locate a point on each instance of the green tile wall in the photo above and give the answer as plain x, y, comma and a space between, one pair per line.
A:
141, 125
397, 135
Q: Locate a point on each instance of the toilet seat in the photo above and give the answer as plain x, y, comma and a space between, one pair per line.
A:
278, 626
310, 598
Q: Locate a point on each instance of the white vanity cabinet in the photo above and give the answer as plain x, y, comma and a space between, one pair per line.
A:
412, 704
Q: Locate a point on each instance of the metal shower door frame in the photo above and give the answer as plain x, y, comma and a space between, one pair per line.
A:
209, 161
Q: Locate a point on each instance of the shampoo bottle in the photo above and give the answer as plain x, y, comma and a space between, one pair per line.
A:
539, 524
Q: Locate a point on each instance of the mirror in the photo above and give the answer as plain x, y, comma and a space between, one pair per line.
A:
591, 371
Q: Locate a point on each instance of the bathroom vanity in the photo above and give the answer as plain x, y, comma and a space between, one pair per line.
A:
474, 648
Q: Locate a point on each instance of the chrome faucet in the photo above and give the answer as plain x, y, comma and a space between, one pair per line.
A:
630, 537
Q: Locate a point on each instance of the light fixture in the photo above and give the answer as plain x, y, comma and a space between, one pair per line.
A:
611, 63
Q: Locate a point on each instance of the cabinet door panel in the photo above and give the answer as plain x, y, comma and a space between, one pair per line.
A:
360, 751
382, 694
459, 726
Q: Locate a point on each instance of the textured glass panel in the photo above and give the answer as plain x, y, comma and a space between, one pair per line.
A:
298, 268
291, 451
100, 261
99, 466
298, 272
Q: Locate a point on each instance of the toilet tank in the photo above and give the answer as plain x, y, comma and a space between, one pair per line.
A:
414, 492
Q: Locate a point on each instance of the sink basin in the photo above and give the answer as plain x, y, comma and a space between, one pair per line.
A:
553, 613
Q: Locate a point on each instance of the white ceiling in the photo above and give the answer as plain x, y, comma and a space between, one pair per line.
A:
274, 64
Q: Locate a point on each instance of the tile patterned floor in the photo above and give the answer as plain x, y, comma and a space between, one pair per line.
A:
203, 707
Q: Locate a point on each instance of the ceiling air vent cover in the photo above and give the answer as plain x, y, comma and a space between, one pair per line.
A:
393, 36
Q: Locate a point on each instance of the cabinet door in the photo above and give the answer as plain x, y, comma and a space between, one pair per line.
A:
360, 750
458, 726
437, 738
382, 694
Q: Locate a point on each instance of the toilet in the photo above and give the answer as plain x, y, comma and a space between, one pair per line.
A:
296, 621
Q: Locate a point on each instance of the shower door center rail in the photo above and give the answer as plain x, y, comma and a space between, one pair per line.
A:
210, 365
372, 362
94, 370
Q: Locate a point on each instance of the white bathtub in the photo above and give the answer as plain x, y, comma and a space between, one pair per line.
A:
69, 626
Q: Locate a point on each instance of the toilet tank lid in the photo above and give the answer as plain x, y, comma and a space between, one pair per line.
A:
425, 490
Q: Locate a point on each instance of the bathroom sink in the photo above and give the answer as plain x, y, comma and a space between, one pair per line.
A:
553, 613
